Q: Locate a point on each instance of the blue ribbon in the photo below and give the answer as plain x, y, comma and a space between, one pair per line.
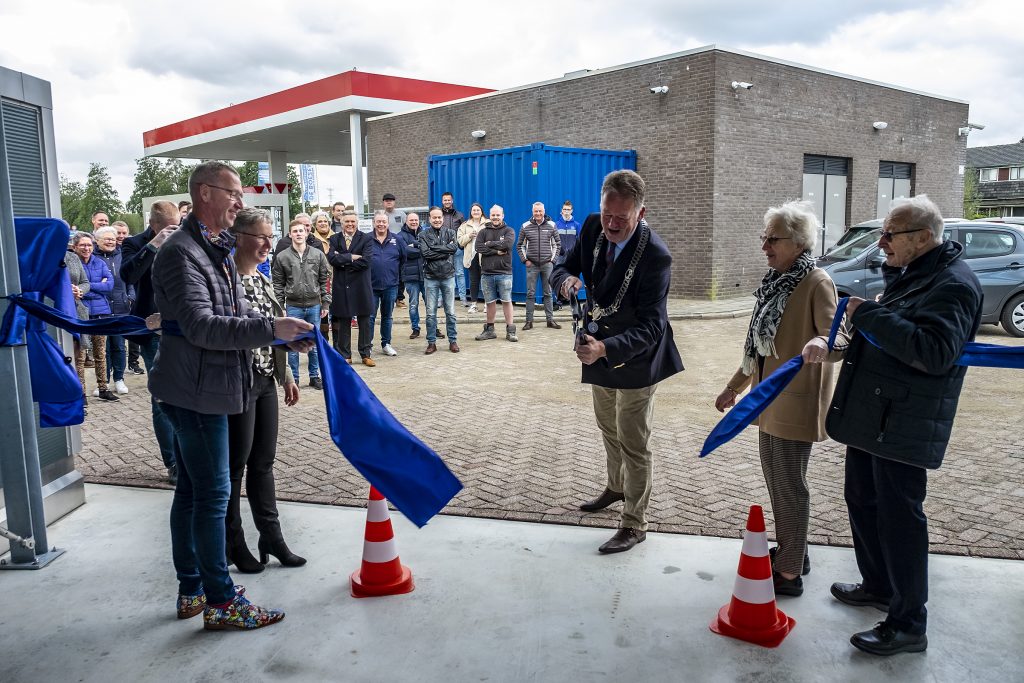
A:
761, 396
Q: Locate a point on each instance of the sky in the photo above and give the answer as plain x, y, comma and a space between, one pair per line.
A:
120, 68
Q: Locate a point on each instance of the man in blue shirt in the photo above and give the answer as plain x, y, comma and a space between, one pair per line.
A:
385, 272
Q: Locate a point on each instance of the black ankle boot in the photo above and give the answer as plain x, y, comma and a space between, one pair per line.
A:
238, 554
279, 549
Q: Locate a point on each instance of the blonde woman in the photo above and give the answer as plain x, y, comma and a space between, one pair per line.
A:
467, 240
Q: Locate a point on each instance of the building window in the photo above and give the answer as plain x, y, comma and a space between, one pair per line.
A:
893, 183
826, 187
1017, 173
988, 175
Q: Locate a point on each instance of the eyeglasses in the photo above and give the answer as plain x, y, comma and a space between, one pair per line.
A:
772, 241
265, 238
235, 194
887, 235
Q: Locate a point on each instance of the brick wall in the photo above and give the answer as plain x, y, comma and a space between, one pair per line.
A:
713, 162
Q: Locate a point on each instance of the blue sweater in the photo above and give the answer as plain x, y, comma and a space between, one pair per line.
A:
386, 264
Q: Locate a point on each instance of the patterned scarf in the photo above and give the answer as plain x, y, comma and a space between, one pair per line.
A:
771, 298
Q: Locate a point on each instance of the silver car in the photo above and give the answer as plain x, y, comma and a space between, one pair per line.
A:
994, 251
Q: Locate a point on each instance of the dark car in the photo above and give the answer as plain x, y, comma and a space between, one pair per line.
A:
994, 251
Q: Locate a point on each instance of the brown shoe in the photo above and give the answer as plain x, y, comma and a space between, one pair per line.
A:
623, 540
440, 334
528, 325
553, 325
400, 303
369, 362
453, 347
602, 501
431, 348
415, 334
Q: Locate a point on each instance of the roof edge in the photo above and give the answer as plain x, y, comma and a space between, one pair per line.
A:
675, 55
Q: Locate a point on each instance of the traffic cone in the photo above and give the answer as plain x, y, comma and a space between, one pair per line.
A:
751, 615
381, 573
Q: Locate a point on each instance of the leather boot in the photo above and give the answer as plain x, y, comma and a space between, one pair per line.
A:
238, 554
488, 333
279, 549
510, 333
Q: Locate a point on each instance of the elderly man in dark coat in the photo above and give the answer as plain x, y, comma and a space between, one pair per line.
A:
352, 290
893, 407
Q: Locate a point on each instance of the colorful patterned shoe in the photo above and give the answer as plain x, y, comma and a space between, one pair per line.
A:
191, 605
241, 614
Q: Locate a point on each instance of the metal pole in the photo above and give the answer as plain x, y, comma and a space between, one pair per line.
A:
19, 450
355, 127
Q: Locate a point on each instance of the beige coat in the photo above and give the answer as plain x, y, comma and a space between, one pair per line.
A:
468, 241
798, 413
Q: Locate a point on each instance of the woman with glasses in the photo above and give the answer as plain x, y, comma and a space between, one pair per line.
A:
793, 312
252, 434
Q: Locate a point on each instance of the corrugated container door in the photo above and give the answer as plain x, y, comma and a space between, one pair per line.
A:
516, 177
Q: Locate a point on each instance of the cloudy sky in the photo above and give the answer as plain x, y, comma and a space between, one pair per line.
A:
119, 68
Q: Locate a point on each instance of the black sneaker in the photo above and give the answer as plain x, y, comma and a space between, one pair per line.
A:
172, 475
136, 370
807, 561
108, 395
316, 383
793, 587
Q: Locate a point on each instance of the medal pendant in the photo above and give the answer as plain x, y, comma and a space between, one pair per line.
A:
592, 328
596, 313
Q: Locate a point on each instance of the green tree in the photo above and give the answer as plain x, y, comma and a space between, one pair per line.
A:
72, 196
972, 197
100, 194
150, 181
248, 172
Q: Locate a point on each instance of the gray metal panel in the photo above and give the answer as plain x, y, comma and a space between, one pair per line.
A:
22, 133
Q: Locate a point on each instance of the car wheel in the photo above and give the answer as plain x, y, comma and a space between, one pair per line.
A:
1013, 316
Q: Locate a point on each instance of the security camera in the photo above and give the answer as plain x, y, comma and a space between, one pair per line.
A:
879, 125
659, 89
479, 134
736, 85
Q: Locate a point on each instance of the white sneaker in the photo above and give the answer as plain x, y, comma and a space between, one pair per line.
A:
95, 392
121, 387
389, 351
472, 308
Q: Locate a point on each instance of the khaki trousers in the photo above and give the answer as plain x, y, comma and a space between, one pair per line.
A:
624, 418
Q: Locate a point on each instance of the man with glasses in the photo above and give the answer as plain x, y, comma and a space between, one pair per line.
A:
628, 346
893, 407
202, 374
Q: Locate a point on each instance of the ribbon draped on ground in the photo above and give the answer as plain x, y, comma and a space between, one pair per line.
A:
391, 458
760, 397
42, 244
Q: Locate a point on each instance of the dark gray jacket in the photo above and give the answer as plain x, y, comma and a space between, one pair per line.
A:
898, 401
204, 363
302, 280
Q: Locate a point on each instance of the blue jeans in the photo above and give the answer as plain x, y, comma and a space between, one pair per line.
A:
200, 504
460, 276
162, 427
117, 358
385, 300
414, 288
444, 290
311, 314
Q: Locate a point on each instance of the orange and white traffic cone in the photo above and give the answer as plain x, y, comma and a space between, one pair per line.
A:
752, 615
381, 573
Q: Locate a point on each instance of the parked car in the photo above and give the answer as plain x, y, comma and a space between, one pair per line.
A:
856, 231
994, 251
1016, 220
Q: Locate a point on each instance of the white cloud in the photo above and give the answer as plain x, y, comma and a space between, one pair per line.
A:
121, 68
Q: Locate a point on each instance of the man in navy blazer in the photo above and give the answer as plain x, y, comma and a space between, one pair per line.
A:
628, 345
350, 254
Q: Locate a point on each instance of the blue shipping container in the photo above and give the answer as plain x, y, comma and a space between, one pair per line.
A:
516, 177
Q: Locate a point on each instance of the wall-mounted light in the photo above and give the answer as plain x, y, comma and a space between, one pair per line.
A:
479, 134
964, 131
736, 85
659, 89
879, 125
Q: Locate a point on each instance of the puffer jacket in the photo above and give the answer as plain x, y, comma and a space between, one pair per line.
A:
438, 248
412, 270
898, 401
78, 277
302, 279
122, 296
101, 282
204, 363
538, 243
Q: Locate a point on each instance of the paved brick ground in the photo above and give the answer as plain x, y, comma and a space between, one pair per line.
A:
514, 423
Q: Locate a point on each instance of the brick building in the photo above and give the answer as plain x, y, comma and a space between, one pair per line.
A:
1000, 171
715, 153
